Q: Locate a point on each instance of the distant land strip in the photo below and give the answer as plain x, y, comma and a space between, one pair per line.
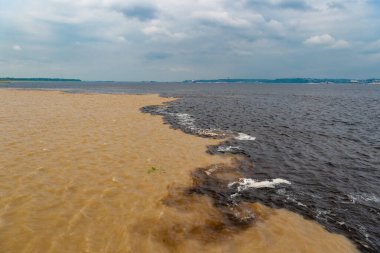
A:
13, 79
287, 80
227, 80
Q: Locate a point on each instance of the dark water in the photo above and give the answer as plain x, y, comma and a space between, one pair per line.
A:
323, 139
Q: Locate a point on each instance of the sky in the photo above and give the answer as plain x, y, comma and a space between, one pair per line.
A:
174, 40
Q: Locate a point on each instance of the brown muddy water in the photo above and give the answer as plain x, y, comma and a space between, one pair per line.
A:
91, 173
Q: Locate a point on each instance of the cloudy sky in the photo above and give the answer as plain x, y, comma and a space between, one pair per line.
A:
189, 39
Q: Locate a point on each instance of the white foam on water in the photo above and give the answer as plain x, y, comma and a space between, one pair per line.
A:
161, 110
188, 121
228, 148
366, 197
210, 171
246, 183
289, 197
209, 132
321, 214
185, 120
234, 195
295, 201
363, 231
244, 137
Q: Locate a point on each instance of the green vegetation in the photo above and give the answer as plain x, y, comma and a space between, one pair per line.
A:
154, 169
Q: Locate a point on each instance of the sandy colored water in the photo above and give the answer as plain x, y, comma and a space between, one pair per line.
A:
91, 173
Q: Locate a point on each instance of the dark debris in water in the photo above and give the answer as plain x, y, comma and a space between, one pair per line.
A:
213, 182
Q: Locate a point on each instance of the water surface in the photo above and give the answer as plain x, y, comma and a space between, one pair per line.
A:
323, 139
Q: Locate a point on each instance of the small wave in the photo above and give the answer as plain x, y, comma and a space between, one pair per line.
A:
289, 197
246, 183
322, 214
244, 137
188, 122
228, 148
364, 231
185, 119
363, 197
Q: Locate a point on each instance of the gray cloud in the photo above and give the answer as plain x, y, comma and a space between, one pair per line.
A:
295, 5
166, 39
141, 12
221, 19
299, 5
157, 55
336, 5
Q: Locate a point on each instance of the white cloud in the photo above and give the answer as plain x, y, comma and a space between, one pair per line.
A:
324, 39
244, 33
327, 40
157, 30
340, 44
276, 27
16, 47
121, 38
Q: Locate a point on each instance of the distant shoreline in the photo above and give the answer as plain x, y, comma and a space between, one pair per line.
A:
289, 81
215, 81
12, 79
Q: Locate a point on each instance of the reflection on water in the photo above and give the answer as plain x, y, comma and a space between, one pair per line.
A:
90, 173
